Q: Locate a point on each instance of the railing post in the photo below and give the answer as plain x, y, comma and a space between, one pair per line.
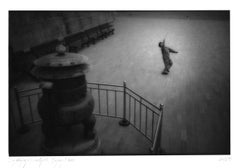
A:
24, 128
156, 148
124, 121
99, 102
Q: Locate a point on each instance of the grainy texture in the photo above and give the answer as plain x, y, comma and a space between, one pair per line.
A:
196, 93
114, 140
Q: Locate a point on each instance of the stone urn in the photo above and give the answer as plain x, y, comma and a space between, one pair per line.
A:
66, 107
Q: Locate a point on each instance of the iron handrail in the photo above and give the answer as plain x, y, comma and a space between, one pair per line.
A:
142, 98
105, 89
27, 90
125, 121
104, 84
92, 83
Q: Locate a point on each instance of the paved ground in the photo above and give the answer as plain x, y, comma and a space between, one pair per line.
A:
196, 93
115, 139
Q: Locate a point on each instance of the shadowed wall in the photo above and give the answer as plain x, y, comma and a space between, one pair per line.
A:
29, 29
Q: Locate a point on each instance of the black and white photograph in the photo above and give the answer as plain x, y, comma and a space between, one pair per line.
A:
119, 82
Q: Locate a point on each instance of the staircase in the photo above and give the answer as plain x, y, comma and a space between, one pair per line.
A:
113, 103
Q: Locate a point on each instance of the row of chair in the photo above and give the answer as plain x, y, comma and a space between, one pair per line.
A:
76, 41
88, 37
22, 61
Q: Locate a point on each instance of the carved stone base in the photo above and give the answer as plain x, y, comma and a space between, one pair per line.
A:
72, 141
84, 147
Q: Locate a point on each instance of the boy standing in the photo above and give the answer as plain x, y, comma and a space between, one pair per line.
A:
166, 57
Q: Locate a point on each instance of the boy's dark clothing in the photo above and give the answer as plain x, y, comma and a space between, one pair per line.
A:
166, 58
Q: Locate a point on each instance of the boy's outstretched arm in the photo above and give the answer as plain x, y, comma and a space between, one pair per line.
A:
172, 51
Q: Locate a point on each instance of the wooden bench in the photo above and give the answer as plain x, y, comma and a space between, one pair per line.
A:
90, 36
44, 49
93, 34
77, 41
106, 29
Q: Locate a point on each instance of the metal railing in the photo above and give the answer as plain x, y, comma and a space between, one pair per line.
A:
117, 101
